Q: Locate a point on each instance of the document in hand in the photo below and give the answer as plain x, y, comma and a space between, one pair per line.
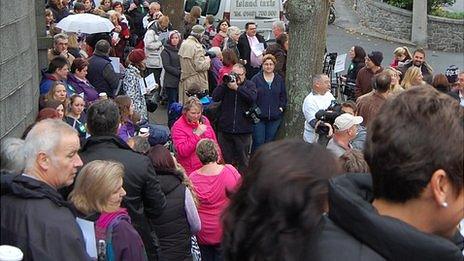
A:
258, 49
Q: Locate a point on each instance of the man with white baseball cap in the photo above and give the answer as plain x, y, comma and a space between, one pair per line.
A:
345, 130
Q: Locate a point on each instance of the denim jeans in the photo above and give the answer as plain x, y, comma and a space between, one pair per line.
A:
264, 131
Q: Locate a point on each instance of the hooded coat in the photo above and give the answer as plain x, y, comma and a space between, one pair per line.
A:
358, 232
36, 219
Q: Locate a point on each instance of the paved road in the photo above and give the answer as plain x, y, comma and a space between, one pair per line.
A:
340, 41
457, 7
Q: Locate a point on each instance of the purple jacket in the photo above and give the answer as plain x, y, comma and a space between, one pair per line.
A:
216, 65
90, 94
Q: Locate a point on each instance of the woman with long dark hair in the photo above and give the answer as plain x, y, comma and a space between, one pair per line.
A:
273, 214
179, 220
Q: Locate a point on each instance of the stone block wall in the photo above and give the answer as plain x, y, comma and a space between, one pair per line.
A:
443, 34
19, 78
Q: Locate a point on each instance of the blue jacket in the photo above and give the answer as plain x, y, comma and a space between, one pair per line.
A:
233, 106
270, 98
101, 74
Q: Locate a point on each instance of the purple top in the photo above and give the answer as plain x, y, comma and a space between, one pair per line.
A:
126, 130
80, 86
216, 65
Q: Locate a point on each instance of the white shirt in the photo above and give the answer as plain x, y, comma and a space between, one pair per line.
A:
312, 104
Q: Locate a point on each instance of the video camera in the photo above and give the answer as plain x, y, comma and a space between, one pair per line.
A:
328, 116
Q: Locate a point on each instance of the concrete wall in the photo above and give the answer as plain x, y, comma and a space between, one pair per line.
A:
19, 78
443, 34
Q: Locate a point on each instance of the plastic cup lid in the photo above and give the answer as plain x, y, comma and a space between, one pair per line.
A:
10, 253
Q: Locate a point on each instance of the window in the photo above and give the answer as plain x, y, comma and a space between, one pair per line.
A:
213, 7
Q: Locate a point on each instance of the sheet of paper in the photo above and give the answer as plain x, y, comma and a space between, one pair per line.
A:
151, 83
88, 230
143, 88
340, 63
115, 63
258, 49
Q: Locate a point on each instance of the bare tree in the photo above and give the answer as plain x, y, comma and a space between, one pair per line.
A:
175, 10
308, 27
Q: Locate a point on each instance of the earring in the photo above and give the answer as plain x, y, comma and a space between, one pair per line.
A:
444, 204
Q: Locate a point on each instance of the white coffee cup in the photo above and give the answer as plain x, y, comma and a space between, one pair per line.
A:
10, 253
144, 130
103, 96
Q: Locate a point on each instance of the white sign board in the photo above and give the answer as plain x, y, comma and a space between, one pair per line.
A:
115, 63
340, 63
254, 9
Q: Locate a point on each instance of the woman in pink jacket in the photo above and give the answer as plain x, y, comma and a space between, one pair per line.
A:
187, 131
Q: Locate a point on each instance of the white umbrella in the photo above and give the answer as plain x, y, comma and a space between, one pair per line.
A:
85, 23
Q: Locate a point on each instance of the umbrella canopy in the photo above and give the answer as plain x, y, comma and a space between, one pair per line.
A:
85, 23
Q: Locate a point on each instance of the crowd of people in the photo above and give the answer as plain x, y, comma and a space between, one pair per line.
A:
208, 186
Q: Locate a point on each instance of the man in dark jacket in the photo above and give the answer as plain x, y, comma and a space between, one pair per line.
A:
34, 216
251, 46
100, 72
235, 127
144, 199
366, 74
418, 60
410, 205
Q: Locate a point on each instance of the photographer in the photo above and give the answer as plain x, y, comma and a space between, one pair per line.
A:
320, 98
237, 96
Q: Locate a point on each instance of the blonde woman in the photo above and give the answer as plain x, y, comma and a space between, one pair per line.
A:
395, 86
401, 55
412, 77
97, 195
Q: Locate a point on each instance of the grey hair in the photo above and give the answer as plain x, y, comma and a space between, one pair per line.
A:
279, 24
12, 155
318, 78
233, 30
60, 36
45, 136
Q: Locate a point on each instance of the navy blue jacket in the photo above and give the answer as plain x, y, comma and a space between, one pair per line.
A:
233, 106
101, 74
270, 99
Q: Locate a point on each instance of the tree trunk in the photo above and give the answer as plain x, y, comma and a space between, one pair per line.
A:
308, 27
175, 10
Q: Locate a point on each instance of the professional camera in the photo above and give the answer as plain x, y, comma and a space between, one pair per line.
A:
253, 113
328, 116
232, 77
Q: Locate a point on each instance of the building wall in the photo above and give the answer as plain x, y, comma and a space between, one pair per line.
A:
443, 34
19, 77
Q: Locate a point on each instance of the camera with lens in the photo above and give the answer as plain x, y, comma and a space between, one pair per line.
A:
328, 116
228, 78
253, 113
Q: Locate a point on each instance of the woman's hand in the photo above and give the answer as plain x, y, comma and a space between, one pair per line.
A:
200, 129
117, 28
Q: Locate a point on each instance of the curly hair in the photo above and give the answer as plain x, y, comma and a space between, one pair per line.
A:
279, 202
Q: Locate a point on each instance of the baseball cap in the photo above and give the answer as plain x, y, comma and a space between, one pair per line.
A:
346, 121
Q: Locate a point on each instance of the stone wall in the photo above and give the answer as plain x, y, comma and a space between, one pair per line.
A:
19, 78
443, 34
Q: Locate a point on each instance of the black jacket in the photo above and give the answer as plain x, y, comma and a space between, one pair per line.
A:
144, 198
171, 65
353, 70
172, 226
245, 50
357, 232
233, 106
36, 219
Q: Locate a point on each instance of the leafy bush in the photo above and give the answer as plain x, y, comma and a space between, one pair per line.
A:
432, 5
447, 14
